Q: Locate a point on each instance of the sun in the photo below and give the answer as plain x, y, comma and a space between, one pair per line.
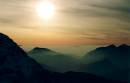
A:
45, 9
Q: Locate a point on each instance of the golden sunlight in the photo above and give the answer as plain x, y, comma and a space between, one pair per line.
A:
45, 10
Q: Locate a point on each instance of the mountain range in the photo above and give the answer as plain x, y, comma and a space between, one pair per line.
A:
111, 62
17, 67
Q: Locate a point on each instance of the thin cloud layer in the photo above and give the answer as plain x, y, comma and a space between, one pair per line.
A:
80, 19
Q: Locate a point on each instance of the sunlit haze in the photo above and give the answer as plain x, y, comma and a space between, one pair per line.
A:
45, 9
66, 22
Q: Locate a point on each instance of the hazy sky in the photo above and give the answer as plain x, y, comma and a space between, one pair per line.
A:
74, 22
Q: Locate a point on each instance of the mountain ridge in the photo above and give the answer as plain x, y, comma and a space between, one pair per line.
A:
56, 61
112, 60
17, 67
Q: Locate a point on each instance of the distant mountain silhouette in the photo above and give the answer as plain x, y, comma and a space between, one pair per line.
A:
55, 61
110, 62
37, 50
17, 67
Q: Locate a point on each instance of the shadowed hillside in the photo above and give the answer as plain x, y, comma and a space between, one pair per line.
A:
111, 62
55, 61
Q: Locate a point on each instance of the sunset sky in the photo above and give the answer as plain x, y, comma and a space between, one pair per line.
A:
73, 22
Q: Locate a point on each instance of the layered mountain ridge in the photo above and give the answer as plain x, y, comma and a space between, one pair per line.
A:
55, 61
17, 67
111, 62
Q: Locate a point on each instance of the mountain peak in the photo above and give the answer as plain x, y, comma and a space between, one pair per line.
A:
1, 34
3, 37
7, 44
38, 49
41, 49
111, 46
123, 45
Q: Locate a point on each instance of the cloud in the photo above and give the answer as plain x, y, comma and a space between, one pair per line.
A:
114, 13
5, 21
88, 19
118, 9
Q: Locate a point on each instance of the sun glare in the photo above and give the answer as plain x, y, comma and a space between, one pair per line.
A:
45, 9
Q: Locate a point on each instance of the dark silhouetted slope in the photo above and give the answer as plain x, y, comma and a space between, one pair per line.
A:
16, 66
